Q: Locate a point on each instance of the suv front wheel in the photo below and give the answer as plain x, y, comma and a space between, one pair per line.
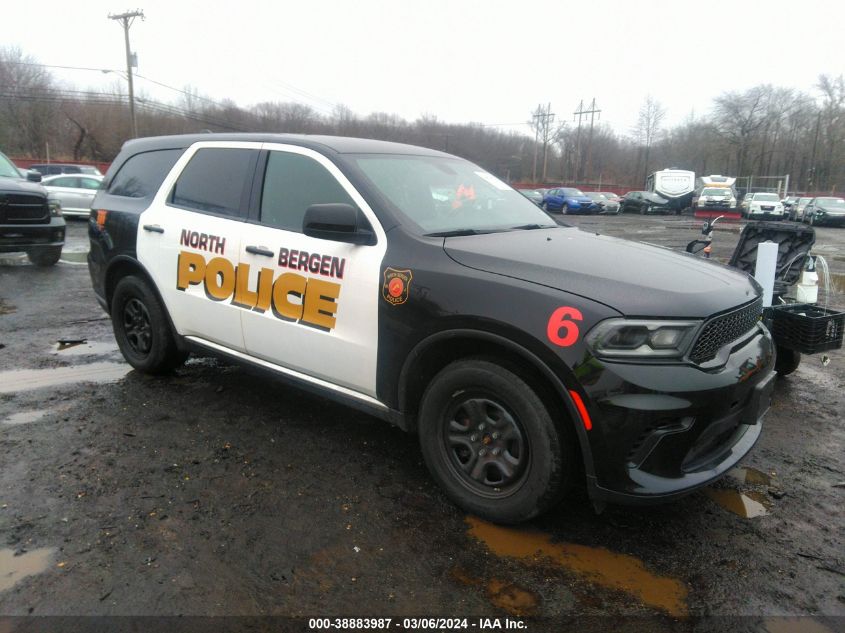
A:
489, 441
141, 328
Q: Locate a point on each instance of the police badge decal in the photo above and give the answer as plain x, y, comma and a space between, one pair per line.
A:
396, 285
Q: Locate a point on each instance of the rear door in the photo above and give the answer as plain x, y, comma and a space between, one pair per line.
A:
189, 240
314, 307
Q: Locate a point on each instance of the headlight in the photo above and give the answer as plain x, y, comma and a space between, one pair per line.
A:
634, 338
55, 207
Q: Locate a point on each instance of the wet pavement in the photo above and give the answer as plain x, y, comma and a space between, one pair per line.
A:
217, 491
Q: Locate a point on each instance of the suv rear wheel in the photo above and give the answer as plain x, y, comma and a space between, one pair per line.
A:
141, 328
491, 444
44, 255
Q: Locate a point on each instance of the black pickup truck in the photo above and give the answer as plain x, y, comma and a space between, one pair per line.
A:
30, 221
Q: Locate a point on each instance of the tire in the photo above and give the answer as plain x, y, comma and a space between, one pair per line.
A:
787, 361
643, 210
462, 410
142, 329
564, 209
812, 221
45, 255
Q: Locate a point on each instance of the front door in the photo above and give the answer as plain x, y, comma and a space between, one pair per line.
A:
313, 307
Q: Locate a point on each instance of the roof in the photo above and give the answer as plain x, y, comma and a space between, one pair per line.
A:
336, 144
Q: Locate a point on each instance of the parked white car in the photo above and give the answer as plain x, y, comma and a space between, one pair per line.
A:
74, 191
764, 205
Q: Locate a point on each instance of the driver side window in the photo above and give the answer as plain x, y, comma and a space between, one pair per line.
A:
292, 183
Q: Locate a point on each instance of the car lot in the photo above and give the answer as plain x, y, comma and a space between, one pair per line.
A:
220, 491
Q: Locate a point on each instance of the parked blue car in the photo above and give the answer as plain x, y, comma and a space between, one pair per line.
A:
568, 200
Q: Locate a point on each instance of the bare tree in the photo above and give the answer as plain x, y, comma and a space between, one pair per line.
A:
650, 117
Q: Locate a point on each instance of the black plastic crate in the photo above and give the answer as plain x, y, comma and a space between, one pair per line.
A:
807, 328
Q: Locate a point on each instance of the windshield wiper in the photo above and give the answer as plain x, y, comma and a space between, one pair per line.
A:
458, 233
531, 227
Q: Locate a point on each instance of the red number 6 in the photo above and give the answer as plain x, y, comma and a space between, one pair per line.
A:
560, 323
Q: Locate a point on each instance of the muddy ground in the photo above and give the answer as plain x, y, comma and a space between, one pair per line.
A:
218, 491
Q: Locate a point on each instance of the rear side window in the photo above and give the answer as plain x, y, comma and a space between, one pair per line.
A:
142, 174
215, 180
292, 183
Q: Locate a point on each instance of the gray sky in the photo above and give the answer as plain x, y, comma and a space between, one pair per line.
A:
461, 60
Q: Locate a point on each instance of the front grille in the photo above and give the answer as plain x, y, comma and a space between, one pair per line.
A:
723, 329
23, 208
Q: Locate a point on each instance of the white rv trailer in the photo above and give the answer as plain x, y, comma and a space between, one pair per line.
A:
676, 185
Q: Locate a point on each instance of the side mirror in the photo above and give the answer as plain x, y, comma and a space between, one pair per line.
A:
337, 222
33, 176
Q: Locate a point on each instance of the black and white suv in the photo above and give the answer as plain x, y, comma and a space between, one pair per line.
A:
418, 287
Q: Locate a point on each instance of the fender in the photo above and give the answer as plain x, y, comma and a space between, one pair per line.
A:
527, 355
138, 267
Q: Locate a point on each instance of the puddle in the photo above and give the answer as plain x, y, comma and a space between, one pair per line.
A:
751, 476
597, 565
82, 347
13, 568
73, 257
26, 379
748, 505
511, 598
24, 417
7, 308
508, 596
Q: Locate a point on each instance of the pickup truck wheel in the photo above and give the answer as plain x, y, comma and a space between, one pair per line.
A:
141, 328
45, 255
787, 361
490, 443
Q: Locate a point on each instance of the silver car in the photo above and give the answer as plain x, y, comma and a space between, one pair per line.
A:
74, 191
606, 206
796, 211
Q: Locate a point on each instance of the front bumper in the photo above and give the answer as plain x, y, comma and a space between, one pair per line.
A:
16, 238
662, 431
829, 219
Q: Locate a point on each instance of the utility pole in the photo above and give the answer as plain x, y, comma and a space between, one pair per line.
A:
583, 113
536, 117
542, 121
547, 124
592, 112
579, 113
126, 19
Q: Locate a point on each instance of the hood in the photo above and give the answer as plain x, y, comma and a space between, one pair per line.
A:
19, 185
579, 199
832, 209
635, 279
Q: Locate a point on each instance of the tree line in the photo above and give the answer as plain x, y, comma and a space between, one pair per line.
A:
759, 134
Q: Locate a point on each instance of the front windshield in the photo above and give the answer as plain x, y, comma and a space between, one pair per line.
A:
596, 196
804, 200
7, 169
832, 202
441, 195
766, 197
569, 191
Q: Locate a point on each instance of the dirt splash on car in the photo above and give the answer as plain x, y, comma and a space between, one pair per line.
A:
597, 565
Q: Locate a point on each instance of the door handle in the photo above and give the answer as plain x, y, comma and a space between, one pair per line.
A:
260, 250
153, 228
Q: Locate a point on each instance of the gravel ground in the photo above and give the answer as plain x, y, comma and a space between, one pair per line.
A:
217, 491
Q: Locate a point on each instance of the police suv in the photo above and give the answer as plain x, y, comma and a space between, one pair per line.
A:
414, 285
